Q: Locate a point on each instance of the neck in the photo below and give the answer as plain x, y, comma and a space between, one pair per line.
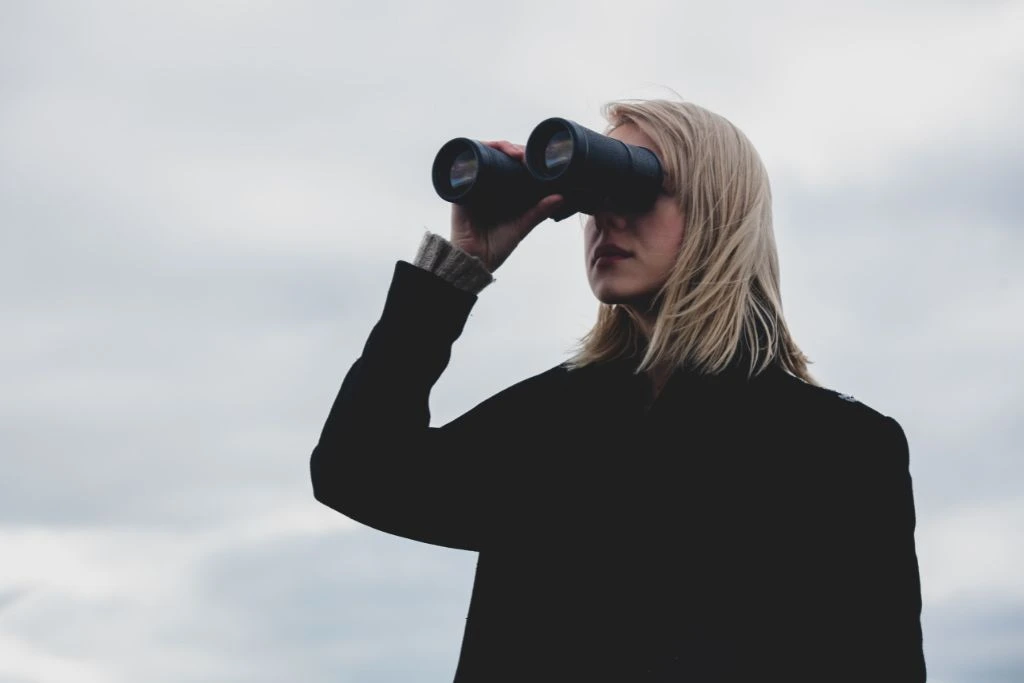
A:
657, 378
646, 323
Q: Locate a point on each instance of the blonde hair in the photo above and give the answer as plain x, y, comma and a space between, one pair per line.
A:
721, 303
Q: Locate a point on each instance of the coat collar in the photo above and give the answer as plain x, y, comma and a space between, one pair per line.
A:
619, 376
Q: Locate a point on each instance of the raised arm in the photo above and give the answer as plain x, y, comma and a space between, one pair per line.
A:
379, 462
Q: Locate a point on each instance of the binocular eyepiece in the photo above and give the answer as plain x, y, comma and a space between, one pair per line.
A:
593, 172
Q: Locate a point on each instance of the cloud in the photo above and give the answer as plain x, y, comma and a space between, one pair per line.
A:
294, 592
203, 203
968, 641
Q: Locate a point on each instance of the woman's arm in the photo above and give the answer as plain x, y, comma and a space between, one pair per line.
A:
379, 462
894, 565
882, 599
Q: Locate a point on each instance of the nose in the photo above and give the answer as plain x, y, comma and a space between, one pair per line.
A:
605, 221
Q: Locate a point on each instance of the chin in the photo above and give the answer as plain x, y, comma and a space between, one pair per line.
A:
623, 288
622, 296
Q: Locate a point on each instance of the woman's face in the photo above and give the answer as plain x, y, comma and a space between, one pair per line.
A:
649, 241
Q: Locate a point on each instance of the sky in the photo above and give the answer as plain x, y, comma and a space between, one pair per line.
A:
202, 203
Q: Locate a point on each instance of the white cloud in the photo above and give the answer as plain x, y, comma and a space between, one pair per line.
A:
23, 661
973, 552
203, 203
148, 565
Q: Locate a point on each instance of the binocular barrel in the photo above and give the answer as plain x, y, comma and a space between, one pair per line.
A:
593, 172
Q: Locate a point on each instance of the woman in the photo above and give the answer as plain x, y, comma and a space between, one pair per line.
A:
679, 501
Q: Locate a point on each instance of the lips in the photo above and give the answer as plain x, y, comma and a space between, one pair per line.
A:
609, 250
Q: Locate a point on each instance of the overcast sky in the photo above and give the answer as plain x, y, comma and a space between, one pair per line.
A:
201, 204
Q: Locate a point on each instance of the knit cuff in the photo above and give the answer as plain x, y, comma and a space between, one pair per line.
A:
444, 259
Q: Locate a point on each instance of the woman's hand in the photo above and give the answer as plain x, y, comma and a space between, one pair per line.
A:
493, 242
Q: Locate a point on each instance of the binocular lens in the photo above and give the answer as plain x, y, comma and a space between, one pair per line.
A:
558, 151
464, 169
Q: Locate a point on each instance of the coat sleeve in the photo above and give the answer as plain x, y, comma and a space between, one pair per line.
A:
380, 463
882, 630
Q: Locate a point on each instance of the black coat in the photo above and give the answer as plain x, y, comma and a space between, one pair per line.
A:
739, 530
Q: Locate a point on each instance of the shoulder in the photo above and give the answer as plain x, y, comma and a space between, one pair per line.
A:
562, 375
532, 390
827, 400
558, 386
837, 417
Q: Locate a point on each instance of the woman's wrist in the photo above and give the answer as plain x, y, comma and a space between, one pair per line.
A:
444, 259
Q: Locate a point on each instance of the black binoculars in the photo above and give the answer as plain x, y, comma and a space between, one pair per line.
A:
593, 172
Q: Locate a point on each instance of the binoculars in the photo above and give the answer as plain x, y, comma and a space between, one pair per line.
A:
593, 172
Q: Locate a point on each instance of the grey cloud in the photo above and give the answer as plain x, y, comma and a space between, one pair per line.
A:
356, 606
172, 352
11, 597
347, 606
975, 641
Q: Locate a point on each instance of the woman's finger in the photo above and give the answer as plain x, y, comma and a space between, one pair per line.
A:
508, 148
542, 210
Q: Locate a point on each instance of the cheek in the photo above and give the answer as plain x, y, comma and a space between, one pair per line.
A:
589, 235
677, 243
664, 246
672, 233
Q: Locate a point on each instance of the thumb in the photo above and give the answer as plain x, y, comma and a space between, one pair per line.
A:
542, 210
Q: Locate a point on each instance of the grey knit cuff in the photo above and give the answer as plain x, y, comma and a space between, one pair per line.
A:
444, 259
